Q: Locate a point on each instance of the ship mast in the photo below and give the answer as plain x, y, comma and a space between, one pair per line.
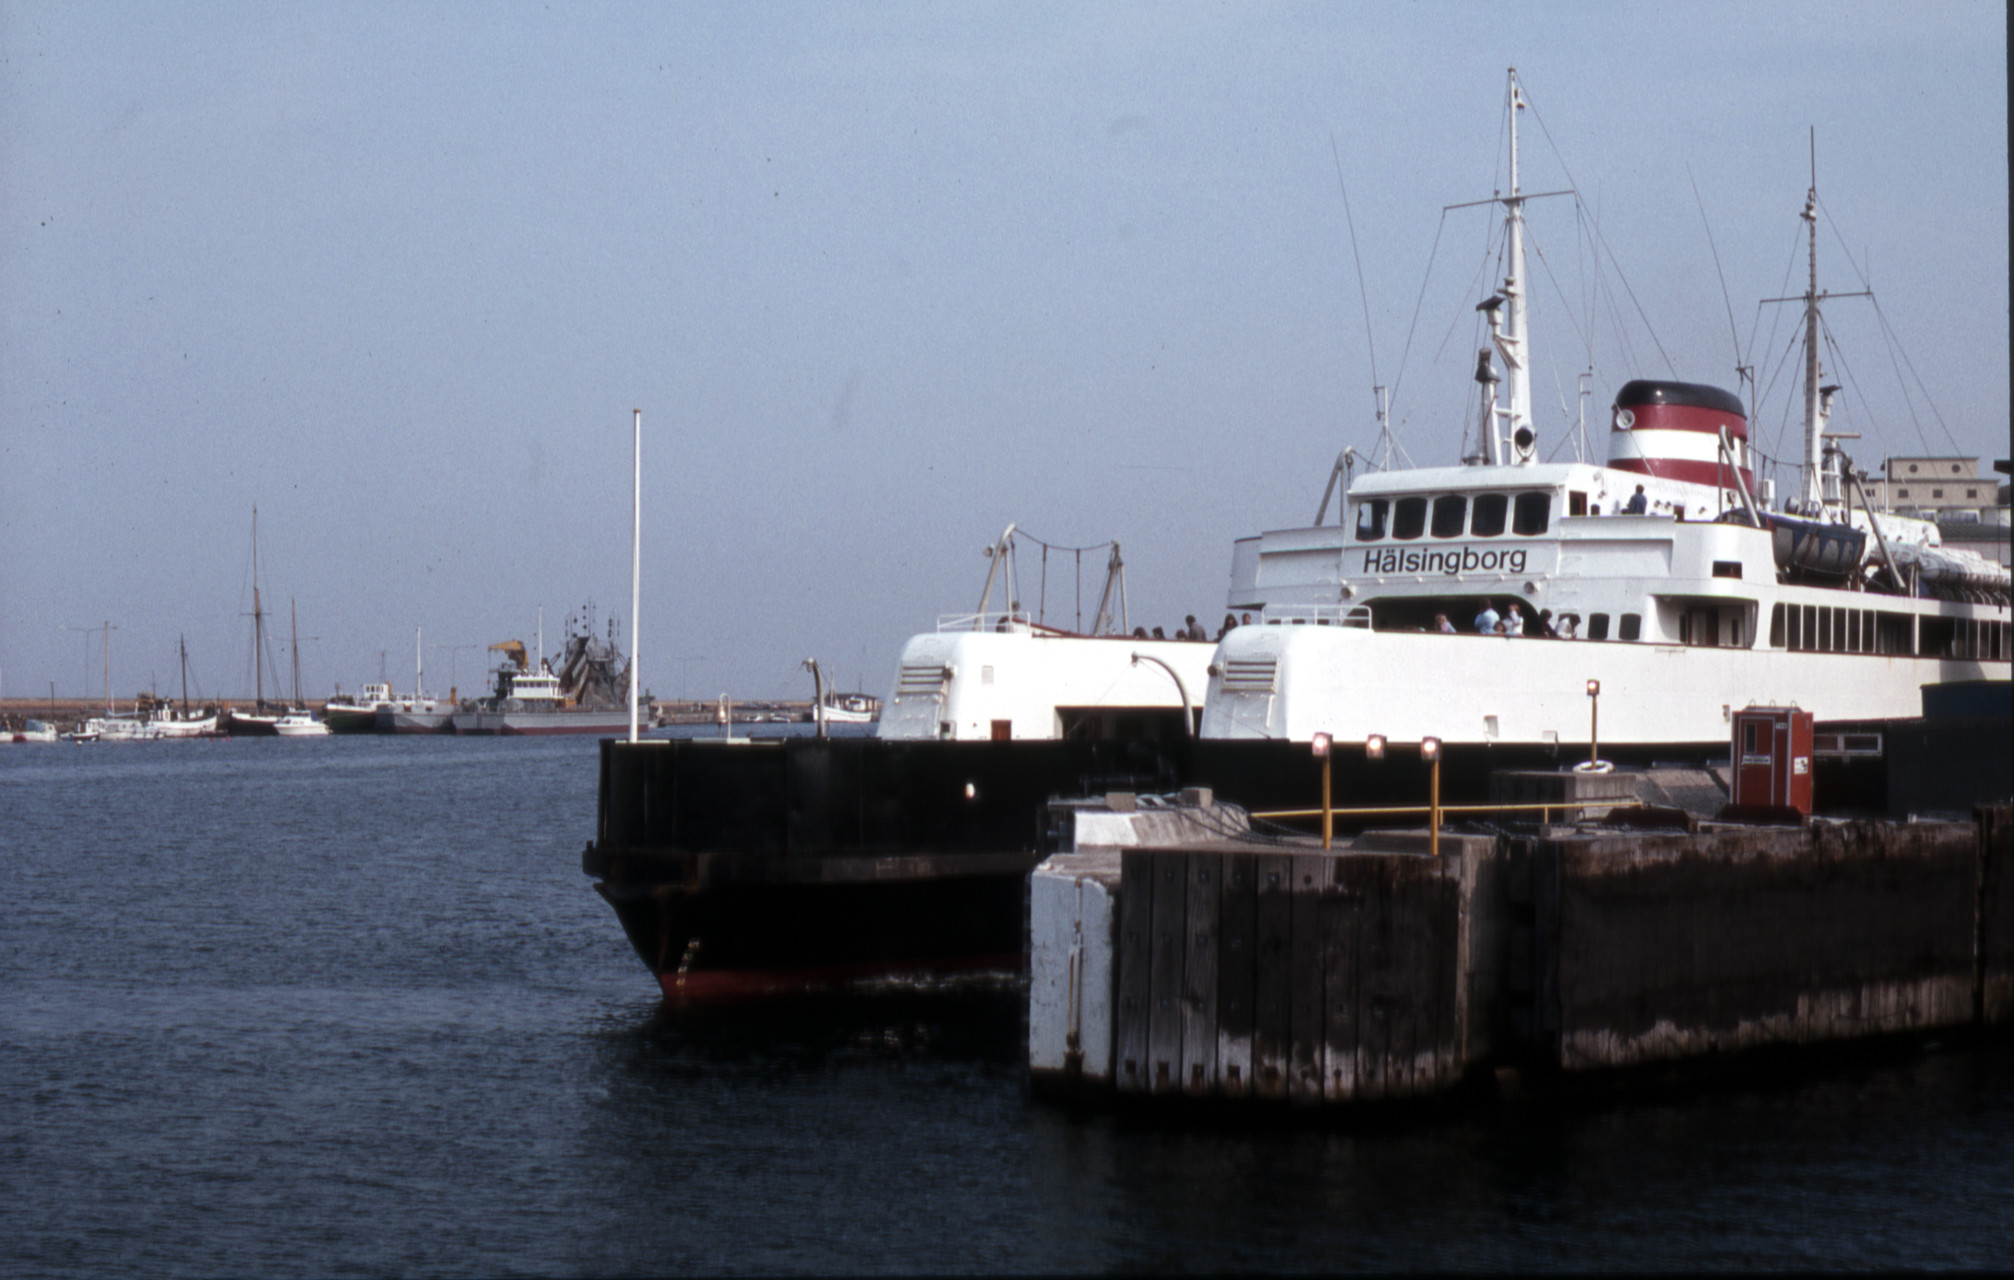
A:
1510, 342
1814, 412
1822, 483
1509, 321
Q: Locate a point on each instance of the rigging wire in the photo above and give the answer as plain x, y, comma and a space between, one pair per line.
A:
1418, 304
1351, 222
1896, 347
1734, 334
1602, 245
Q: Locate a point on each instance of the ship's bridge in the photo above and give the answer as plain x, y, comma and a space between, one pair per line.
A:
1606, 552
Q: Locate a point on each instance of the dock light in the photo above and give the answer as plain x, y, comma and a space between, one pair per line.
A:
1374, 747
1595, 764
1430, 751
1320, 746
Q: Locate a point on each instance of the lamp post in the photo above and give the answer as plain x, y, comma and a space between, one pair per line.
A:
1430, 751
1188, 718
1321, 748
1595, 764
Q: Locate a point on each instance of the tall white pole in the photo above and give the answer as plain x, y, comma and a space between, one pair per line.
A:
635, 559
1517, 374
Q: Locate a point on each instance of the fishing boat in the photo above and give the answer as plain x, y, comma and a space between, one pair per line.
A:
357, 713
376, 709
586, 694
847, 708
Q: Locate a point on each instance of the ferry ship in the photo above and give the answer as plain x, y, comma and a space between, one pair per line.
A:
1662, 589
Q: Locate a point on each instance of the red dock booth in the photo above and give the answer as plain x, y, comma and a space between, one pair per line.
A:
1772, 759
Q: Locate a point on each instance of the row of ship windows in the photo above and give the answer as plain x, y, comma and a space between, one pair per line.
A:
1449, 515
1824, 629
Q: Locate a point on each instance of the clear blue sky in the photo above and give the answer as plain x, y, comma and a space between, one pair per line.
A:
882, 277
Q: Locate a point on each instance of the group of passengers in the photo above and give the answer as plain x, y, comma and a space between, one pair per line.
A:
1193, 630
1511, 622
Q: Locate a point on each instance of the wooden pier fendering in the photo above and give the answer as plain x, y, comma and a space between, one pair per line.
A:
1306, 977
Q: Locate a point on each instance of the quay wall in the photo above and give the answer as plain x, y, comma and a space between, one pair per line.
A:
1244, 971
1661, 947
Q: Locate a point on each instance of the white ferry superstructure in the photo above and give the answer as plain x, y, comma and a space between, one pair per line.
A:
1005, 676
1696, 603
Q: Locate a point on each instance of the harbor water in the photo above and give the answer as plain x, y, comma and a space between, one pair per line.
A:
348, 1005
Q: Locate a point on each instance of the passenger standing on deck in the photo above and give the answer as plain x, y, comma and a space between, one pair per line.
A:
1486, 621
1513, 620
1230, 623
1193, 630
1442, 625
1637, 503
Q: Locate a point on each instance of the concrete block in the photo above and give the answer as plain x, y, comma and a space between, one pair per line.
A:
1072, 951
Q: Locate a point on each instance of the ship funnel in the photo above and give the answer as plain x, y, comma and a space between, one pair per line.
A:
1672, 430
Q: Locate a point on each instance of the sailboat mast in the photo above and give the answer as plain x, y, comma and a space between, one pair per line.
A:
419, 669
108, 667
294, 620
182, 643
258, 618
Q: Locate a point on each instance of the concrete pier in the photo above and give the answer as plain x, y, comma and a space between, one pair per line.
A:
1233, 970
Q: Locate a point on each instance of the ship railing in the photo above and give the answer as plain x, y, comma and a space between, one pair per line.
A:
1320, 615
1013, 620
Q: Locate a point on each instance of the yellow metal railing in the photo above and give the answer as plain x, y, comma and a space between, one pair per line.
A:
1328, 814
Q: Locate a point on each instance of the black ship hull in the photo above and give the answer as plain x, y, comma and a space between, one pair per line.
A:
749, 868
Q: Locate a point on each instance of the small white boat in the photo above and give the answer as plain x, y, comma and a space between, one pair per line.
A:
300, 723
122, 729
848, 708
173, 726
30, 731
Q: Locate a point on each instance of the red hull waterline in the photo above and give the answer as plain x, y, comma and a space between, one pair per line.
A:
709, 985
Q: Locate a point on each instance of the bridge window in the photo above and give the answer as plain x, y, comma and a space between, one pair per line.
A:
1776, 637
1630, 626
1371, 520
1597, 626
1409, 518
1450, 511
1491, 510
1531, 514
